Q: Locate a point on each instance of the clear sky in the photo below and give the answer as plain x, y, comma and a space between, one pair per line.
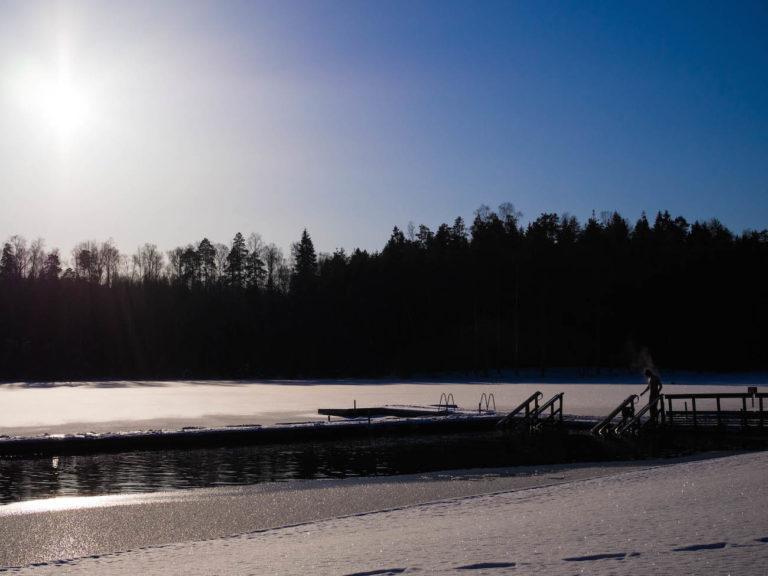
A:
169, 121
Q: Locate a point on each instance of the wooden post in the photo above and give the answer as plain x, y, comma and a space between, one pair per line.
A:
744, 411
669, 411
693, 407
718, 410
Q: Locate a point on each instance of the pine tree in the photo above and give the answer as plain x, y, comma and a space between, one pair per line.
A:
8, 264
255, 271
642, 230
207, 261
52, 266
237, 261
189, 263
304, 263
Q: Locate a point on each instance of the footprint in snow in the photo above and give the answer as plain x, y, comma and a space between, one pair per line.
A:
610, 556
486, 565
697, 547
382, 572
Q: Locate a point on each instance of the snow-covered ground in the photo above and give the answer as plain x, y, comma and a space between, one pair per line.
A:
48, 529
36, 408
694, 517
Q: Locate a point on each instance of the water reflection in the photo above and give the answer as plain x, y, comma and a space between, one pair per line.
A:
130, 472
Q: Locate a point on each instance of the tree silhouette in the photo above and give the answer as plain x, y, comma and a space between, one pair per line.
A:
206, 261
52, 266
237, 260
304, 273
8, 265
502, 295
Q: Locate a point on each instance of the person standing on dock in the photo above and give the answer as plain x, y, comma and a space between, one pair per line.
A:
654, 388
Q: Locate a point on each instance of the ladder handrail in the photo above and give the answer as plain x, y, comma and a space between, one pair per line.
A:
523, 405
487, 398
621, 428
599, 427
550, 404
449, 401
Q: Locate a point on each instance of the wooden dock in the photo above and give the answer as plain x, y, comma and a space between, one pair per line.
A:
718, 411
717, 416
394, 411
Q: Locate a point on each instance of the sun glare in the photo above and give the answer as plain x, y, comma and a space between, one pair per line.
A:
64, 105
53, 101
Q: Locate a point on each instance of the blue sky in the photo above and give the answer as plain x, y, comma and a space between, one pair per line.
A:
191, 119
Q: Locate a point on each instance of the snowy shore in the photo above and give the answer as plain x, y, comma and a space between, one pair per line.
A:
700, 516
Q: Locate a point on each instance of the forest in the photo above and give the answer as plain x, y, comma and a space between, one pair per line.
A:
462, 299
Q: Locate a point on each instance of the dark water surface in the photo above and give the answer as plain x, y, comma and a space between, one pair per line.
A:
151, 471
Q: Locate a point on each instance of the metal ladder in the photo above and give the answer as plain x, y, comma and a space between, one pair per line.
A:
446, 403
488, 399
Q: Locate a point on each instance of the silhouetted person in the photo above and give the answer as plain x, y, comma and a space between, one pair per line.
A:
654, 388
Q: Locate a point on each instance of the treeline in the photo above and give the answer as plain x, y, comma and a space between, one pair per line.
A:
491, 296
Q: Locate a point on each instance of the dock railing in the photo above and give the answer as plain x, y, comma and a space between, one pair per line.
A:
639, 420
526, 408
555, 407
627, 407
750, 409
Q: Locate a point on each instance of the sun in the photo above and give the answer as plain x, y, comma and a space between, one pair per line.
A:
64, 106
52, 100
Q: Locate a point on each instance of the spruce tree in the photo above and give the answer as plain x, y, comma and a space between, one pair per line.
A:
8, 264
236, 260
304, 263
207, 258
52, 266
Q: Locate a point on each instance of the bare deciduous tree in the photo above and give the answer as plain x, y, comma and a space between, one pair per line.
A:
21, 252
88, 265
36, 257
175, 266
274, 260
148, 263
222, 251
110, 260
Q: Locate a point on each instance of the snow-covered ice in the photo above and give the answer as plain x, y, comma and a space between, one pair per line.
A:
696, 517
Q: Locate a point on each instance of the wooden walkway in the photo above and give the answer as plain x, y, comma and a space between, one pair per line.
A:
713, 411
729, 410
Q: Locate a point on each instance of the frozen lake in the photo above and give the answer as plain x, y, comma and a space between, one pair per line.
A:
40, 408
30, 408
